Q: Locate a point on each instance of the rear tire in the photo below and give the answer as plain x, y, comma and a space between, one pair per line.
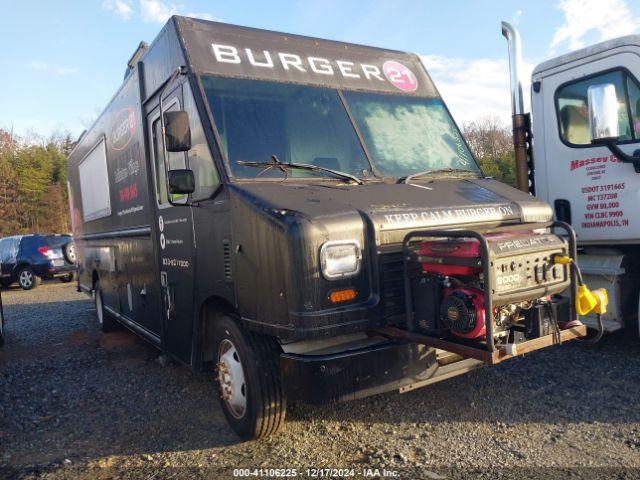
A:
248, 378
27, 279
66, 278
105, 321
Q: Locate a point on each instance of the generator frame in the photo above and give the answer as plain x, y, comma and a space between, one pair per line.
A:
486, 351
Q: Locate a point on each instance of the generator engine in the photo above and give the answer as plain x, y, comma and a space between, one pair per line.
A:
462, 311
449, 293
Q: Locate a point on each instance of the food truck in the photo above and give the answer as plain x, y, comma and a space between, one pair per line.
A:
301, 219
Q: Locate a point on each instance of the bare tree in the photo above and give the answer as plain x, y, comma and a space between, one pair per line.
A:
491, 142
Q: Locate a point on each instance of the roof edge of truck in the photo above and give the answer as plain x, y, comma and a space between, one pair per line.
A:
181, 23
181, 18
586, 52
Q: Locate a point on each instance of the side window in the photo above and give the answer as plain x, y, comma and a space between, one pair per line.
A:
176, 161
9, 249
94, 183
200, 159
14, 248
634, 105
4, 249
573, 114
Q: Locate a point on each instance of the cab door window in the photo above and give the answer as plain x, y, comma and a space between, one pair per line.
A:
573, 113
200, 158
176, 161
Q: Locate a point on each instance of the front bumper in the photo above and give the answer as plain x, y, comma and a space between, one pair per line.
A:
319, 379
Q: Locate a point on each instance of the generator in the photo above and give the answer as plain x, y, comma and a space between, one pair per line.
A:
492, 288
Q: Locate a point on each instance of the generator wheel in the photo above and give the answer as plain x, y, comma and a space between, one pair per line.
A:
248, 378
106, 322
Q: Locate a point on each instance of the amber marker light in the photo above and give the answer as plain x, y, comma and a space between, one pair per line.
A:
344, 295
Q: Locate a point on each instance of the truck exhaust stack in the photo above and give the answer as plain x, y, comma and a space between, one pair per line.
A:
521, 120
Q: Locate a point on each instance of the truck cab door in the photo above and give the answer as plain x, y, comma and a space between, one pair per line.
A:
175, 243
586, 184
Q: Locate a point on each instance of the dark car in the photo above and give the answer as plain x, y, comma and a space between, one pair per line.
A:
27, 258
1, 323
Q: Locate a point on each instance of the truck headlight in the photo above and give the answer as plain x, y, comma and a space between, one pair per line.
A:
340, 259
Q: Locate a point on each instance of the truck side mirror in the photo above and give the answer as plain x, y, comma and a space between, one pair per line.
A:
603, 113
181, 181
177, 131
603, 122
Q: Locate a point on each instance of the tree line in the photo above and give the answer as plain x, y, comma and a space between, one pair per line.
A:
491, 142
33, 184
33, 175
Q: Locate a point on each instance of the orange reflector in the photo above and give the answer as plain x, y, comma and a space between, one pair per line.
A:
345, 295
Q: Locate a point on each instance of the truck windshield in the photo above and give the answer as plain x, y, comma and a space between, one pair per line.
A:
406, 135
257, 120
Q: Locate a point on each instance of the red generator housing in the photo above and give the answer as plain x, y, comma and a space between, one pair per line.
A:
443, 257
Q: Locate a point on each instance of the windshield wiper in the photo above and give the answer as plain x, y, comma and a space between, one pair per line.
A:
283, 167
435, 171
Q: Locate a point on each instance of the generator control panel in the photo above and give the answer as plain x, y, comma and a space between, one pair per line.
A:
525, 263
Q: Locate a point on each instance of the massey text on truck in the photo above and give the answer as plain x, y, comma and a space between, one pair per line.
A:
302, 220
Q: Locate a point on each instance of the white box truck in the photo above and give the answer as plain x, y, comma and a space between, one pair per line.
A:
578, 149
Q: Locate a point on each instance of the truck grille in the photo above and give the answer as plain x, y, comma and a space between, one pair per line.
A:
391, 284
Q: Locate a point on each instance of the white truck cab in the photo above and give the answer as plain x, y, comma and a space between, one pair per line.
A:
588, 186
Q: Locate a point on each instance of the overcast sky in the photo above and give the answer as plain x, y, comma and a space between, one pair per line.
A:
62, 61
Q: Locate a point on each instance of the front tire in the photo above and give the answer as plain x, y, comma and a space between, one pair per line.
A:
105, 321
248, 377
27, 279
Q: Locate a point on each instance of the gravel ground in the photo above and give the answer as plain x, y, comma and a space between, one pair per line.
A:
76, 403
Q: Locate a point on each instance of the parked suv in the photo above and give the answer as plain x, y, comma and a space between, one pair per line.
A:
28, 258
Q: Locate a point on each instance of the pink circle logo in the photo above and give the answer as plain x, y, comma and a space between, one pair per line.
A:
400, 76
